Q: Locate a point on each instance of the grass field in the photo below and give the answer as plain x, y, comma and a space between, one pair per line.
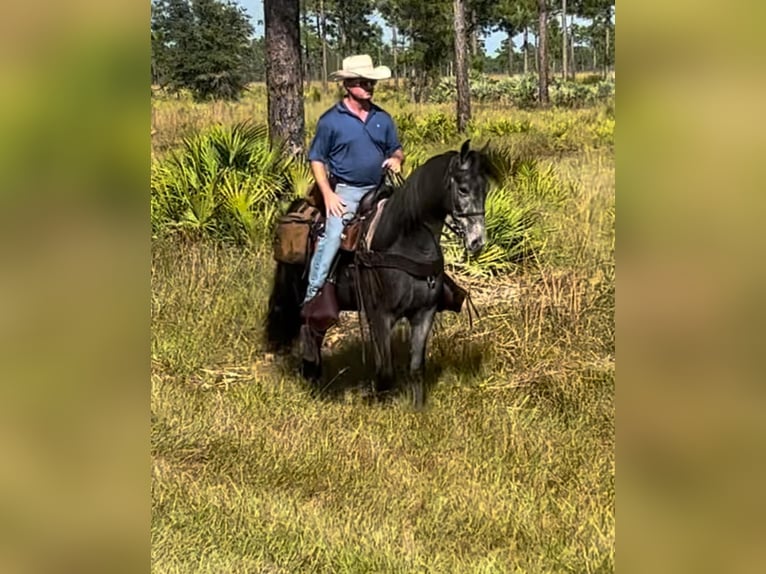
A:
510, 468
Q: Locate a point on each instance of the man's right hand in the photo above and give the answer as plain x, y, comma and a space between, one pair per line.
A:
333, 204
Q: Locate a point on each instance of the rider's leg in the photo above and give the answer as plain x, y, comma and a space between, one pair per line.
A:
329, 241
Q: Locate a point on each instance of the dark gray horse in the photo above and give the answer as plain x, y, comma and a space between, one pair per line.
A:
402, 273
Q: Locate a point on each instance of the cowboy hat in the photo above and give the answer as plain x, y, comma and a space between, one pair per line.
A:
361, 67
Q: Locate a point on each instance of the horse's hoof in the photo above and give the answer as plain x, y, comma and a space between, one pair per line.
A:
382, 396
311, 371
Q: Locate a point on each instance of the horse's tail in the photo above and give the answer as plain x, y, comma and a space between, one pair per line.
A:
283, 321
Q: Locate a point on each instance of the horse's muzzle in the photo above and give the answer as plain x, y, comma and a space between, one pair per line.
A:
474, 245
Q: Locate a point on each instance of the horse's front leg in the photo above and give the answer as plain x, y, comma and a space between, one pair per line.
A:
420, 324
381, 326
311, 352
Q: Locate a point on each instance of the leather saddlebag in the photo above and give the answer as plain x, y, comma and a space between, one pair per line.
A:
453, 296
291, 241
350, 236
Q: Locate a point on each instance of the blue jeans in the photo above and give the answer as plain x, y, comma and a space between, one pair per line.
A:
329, 241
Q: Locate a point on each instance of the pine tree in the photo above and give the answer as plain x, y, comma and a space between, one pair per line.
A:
201, 45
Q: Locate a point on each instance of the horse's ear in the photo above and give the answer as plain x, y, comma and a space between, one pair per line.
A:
464, 149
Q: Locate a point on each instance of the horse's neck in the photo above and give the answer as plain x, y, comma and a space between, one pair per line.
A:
407, 216
435, 227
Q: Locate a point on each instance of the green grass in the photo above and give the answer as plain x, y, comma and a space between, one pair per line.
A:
510, 467
261, 477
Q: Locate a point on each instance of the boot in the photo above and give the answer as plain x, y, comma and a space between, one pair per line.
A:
321, 311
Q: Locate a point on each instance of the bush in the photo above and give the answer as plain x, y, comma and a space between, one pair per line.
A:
225, 183
435, 127
570, 94
522, 92
313, 94
590, 79
501, 127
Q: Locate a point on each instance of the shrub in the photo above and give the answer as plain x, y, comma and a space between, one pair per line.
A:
590, 79
431, 128
502, 127
313, 94
225, 183
570, 94
524, 92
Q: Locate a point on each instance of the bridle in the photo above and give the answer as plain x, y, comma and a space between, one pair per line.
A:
457, 227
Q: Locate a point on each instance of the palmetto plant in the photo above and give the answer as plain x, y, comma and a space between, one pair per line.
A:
515, 216
225, 182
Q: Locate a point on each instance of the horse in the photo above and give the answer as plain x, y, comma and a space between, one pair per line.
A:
401, 274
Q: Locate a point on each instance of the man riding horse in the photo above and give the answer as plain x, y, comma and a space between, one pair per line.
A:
355, 142
397, 269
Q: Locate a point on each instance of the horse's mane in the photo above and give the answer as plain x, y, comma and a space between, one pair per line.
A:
421, 192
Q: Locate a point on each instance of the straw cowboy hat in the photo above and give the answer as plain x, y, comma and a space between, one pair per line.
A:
361, 67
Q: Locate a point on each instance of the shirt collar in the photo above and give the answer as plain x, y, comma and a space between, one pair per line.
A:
340, 106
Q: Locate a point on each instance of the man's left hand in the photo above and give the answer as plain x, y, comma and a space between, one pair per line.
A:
394, 164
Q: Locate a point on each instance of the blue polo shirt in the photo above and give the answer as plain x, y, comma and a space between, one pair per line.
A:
353, 150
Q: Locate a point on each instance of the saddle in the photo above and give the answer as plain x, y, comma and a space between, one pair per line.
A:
297, 230
365, 221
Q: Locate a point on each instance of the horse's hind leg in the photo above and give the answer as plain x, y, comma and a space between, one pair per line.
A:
381, 326
421, 324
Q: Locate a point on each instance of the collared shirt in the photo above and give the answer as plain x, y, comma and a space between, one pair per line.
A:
354, 150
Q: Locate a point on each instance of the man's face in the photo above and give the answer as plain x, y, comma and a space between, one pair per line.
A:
361, 88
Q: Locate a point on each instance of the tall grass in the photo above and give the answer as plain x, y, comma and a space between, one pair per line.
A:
510, 468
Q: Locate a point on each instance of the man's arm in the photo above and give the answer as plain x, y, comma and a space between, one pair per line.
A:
317, 156
394, 163
396, 157
320, 177
333, 204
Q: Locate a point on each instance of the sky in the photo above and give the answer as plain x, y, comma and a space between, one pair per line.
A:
255, 9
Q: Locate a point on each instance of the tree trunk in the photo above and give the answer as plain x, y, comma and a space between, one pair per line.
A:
595, 65
606, 43
542, 51
305, 44
461, 69
526, 51
283, 73
396, 69
510, 53
592, 39
572, 61
323, 33
564, 38
410, 70
474, 35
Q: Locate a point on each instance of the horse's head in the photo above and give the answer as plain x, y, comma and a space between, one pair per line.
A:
469, 183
